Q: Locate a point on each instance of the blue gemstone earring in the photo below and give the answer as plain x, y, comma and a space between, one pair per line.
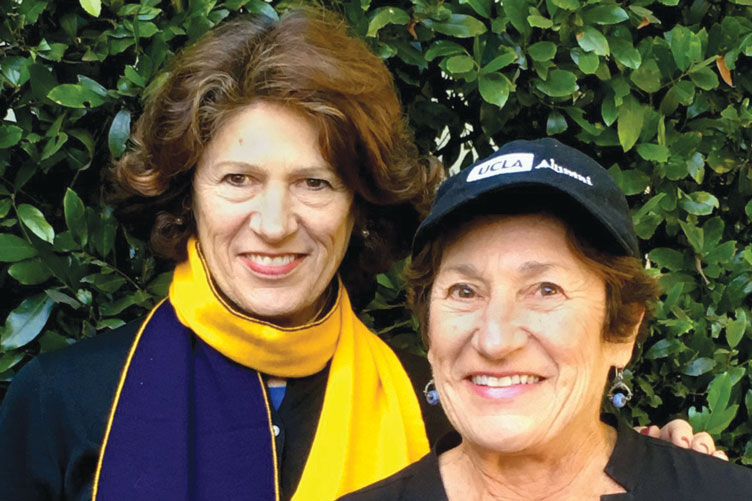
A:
432, 396
619, 393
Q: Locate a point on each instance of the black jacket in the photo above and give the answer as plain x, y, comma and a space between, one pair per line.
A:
53, 418
647, 468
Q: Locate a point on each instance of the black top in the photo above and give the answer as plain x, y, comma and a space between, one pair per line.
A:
54, 415
649, 469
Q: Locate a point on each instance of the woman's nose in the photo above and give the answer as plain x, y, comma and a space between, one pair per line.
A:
500, 332
273, 216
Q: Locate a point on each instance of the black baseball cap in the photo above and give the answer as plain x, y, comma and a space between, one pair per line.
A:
542, 171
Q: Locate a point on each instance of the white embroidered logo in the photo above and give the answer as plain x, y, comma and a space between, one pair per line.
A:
551, 164
504, 164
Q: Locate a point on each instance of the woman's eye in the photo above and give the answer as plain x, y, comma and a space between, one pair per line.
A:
316, 184
549, 289
462, 291
236, 179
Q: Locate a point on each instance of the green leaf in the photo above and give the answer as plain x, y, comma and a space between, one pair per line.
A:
735, 328
556, 123
10, 360
625, 53
5, 206
93, 7
34, 220
507, 57
567, 4
105, 282
719, 394
542, 51
460, 64
53, 145
587, 61
609, 113
16, 70
653, 152
75, 216
14, 249
592, 40
647, 77
457, 25
10, 135
161, 284
663, 348
634, 181
52, 341
443, 48
667, 258
30, 272
700, 203
629, 123
685, 46
538, 21
494, 88
704, 78
721, 254
699, 366
517, 13
605, 14
60, 297
694, 235
684, 92
75, 96
560, 83
386, 15
748, 209
26, 321
482, 7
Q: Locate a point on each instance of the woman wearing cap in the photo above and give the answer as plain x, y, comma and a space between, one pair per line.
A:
530, 306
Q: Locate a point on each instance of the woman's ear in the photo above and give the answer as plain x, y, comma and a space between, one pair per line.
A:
622, 350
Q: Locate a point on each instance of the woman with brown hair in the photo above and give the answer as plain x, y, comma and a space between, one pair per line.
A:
531, 306
274, 167
273, 164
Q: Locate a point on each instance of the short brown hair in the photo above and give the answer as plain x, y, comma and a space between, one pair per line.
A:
630, 291
306, 61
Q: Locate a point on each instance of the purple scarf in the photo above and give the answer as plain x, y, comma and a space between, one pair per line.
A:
189, 423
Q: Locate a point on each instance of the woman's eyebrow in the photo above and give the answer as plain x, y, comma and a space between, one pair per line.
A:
535, 267
466, 269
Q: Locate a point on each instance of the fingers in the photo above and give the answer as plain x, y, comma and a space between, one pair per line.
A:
651, 431
679, 433
703, 442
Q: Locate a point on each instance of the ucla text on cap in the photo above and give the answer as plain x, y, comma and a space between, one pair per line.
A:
503, 164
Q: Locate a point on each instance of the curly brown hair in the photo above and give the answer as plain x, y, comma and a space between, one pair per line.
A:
306, 61
630, 291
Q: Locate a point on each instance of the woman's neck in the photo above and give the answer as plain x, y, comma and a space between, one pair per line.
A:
567, 469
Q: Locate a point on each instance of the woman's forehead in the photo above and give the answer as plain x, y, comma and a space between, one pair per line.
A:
529, 244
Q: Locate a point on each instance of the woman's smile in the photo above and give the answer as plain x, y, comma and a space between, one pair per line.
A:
272, 265
505, 386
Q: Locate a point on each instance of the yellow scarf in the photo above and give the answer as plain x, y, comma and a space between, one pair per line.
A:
370, 425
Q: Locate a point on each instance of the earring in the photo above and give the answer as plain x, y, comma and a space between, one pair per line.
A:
365, 233
432, 396
619, 393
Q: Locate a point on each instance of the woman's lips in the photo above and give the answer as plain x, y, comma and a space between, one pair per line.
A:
506, 386
272, 264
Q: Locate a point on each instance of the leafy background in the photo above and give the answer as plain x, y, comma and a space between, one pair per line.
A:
659, 91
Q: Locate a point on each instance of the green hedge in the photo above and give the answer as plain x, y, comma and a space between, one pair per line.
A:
658, 91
